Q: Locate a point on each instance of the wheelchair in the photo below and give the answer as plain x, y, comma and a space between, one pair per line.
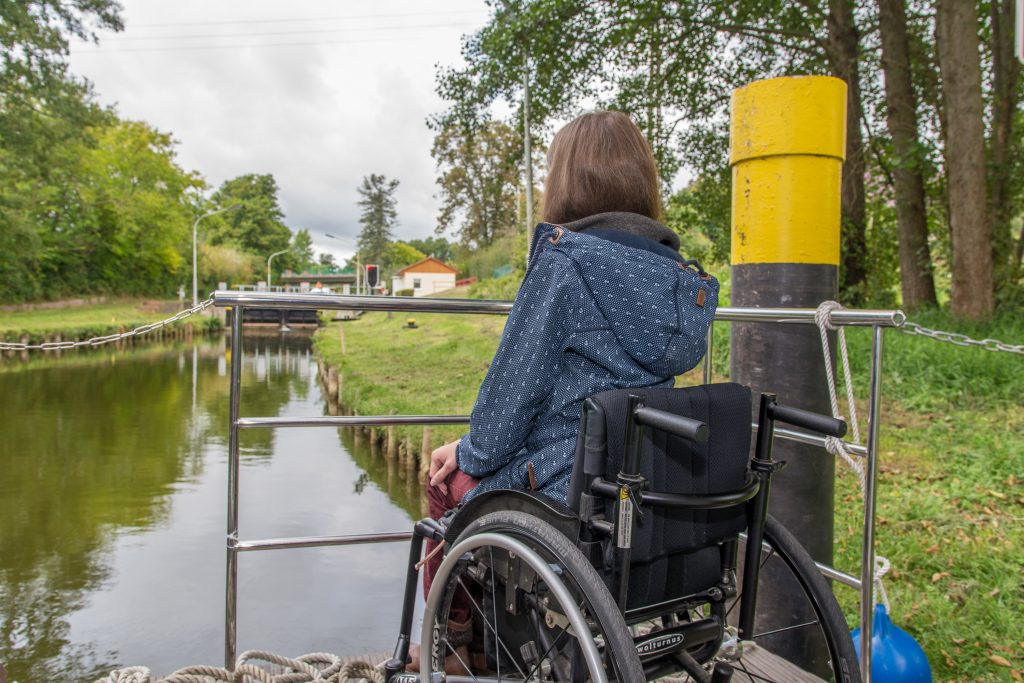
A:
654, 568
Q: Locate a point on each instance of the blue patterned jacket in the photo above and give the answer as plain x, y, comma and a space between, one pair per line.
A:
590, 315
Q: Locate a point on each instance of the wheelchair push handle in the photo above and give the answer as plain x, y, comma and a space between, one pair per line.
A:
684, 427
815, 422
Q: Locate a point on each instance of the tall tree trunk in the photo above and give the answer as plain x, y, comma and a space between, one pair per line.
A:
916, 281
960, 67
1005, 80
841, 50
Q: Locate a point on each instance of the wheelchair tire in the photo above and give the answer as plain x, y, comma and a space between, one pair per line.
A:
827, 648
591, 599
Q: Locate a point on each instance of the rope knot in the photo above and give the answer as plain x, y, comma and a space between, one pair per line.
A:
823, 314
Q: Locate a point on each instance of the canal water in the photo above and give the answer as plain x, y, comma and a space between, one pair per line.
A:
113, 476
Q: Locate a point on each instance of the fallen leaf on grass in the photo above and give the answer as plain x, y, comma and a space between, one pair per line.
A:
997, 494
1000, 660
938, 576
931, 550
1015, 675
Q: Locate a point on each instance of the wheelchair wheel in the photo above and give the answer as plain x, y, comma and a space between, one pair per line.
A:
540, 610
810, 634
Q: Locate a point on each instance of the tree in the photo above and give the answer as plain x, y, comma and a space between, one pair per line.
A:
400, 255
44, 113
479, 180
379, 216
959, 63
438, 247
1005, 169
130, 224
301, 256
257, 225
667, 64
916, 281
327, 260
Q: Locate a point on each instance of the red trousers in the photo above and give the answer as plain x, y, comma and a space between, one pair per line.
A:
459, 484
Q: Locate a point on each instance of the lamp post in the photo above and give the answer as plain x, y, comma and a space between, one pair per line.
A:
195, 231
271, 258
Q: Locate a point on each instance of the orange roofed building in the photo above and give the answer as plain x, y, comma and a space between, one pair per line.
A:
425, 278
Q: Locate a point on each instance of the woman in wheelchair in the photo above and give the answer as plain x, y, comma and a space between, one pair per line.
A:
607, 302
570, 550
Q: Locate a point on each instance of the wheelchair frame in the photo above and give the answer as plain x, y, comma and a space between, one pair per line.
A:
877, 320
629, 493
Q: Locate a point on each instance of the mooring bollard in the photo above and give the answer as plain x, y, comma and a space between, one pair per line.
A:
788, 138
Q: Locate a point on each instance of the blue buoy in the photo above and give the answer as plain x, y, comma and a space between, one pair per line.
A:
895, 655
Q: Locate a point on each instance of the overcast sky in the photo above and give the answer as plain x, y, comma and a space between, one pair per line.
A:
318, 93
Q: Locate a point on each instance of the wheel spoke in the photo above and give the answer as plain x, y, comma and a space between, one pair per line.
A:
752, 676
771, 551
785, 628
546, 653
493, 630
494, 601
464, 665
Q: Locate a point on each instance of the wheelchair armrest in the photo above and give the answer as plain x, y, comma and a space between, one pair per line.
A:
815, 422
683, 427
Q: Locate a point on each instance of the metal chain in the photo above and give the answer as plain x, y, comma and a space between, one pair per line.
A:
98, 341
961, 339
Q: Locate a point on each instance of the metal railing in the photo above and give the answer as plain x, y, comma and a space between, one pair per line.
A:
878, 320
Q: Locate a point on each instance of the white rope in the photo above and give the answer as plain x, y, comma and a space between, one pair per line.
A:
317, 667
834, 445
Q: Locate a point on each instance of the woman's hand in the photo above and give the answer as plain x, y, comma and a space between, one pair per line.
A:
442, 464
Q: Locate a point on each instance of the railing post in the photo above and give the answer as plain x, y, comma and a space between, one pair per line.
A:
231, 591
867, 558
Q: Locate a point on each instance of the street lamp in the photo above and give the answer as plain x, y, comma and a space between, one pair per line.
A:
271, 258
195, 229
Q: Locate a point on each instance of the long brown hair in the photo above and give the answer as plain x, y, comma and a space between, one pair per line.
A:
600, 162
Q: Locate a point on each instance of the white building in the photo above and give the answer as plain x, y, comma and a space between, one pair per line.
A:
425, 278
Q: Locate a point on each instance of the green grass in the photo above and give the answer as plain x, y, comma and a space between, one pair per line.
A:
951, 489
82, 322
433, 369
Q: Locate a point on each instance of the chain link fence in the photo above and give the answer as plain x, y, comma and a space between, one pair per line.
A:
106, 339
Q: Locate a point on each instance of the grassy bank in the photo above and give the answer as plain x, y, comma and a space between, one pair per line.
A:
951, 496
92, 320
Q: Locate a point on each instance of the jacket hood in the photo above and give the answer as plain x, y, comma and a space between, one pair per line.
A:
658, 308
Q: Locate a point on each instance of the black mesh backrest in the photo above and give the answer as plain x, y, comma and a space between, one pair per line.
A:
672, 548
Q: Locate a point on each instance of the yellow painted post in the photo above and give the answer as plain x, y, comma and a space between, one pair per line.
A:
787, 146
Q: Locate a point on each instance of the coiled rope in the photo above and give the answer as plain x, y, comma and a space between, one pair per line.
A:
834, 445
317, 667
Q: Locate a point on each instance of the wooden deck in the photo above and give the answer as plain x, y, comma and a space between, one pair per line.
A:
758, 660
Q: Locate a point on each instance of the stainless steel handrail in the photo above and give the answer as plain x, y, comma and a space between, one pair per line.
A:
405, 304
352, 421
878, 320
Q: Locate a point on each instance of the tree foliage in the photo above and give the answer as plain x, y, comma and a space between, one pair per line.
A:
379, 217
672, 65
257, 224
479, 180
438, 247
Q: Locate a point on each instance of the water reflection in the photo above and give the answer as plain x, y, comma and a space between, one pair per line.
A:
112, 513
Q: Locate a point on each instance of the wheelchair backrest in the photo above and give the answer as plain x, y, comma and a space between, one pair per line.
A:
674, 551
